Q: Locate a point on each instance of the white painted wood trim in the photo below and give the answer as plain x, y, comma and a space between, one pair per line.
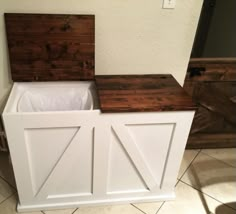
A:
135, 155
102, 140
124, 200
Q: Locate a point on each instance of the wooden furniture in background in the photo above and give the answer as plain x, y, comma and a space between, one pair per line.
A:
3, 141
212, 84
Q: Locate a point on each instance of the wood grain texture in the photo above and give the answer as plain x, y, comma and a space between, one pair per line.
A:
213, 87
210, 140
211, 69
139, 93
216, 101
50, 47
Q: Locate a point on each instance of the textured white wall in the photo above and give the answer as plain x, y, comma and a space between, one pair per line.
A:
132, 36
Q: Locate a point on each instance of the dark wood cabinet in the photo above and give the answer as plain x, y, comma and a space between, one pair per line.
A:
212, 85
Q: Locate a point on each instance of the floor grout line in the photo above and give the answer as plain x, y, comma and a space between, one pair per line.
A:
189, 164
138, 208
74, 210
218, 159
177, 182
8, 183
207, 195
160, 207
43, 211
7, 198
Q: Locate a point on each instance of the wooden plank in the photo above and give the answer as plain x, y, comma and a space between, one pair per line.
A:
211, 82
3, 140
138, 93
51, 47
215, 101
211, 69
211, 140
207, 61
206, 121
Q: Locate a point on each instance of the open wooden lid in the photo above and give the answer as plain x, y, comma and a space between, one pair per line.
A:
50, 47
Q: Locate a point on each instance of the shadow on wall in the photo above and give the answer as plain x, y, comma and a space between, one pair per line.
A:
3, 101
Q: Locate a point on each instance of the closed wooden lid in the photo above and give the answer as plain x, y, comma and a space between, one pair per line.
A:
141, 93
50, 47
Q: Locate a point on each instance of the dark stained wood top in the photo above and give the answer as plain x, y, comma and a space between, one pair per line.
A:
141, 93
50, 47
211, 69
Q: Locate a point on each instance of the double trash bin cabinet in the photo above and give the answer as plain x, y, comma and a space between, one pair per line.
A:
99, 140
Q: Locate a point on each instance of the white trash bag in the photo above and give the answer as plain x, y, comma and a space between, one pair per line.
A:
55, 99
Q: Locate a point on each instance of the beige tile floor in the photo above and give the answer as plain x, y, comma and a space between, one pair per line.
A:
206, 184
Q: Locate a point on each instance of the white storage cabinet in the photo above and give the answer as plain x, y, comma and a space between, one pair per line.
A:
67, 153
71, 158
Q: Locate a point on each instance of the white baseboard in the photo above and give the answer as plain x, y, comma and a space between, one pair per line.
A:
53, 206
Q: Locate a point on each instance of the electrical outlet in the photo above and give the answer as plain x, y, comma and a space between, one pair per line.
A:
169, 4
